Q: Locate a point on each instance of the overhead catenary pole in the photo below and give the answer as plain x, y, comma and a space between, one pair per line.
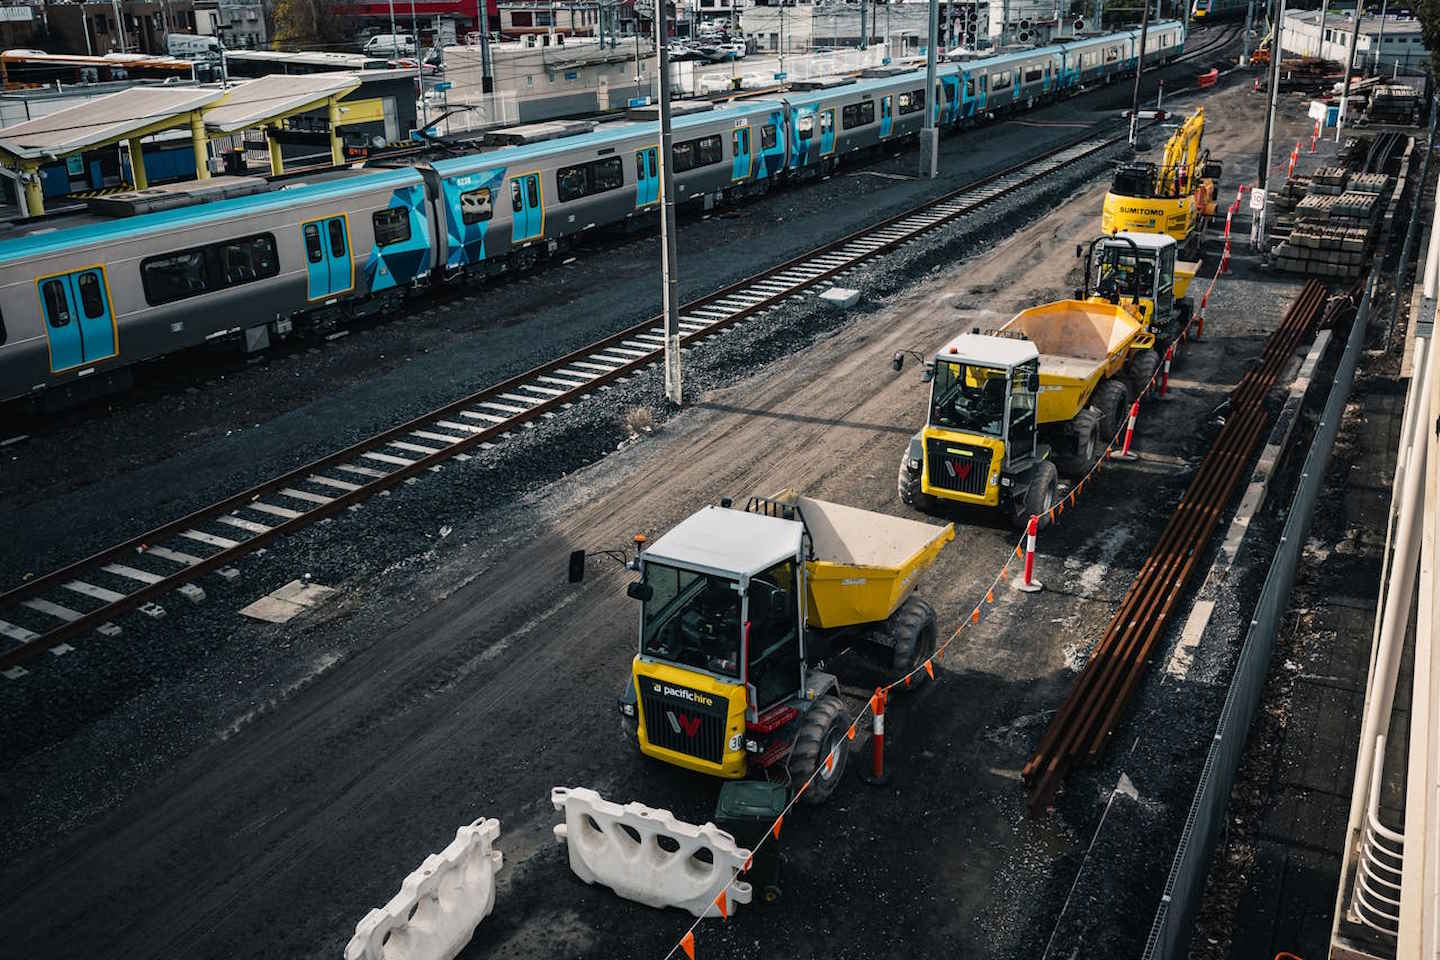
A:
1258, 226
671, 290
1324, 15
1139, 68
394, 44
930, 135
1375, 60
1249, 25
1349, 69
419, 66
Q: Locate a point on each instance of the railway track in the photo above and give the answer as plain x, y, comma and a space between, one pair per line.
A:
45, 612
1089, 713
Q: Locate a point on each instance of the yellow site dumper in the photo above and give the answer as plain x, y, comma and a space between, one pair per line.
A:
738, 609
1012, 408
1140, 271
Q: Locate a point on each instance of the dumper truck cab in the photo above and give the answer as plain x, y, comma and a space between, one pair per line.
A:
739, 611
981, 443
1140, 271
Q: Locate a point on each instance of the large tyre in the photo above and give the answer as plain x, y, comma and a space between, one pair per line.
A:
1142, 367
1111, 401
912, 630
1039, 495
908, 487
1081, 438
822, 729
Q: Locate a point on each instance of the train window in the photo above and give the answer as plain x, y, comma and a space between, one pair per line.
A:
639, 166
607, 174
57, 305
858, 114
970, 87
313, 251
337, 237
91, 301
570, 183
517, 202
532, 192
2, 328
805, 128
241, 261
767, 137
1112, 54
912, 101
1033, 74
475, 206
1001, 81
181, 274
827, 121
596, 176
698, 153
392, 225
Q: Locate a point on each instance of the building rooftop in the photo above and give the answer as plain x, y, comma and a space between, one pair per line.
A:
1368, 25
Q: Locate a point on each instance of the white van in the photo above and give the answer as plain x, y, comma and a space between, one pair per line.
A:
390, 45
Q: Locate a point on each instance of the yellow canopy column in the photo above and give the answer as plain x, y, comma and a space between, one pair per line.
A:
277, 159
34, 193
337, 153
201, 143
137, 164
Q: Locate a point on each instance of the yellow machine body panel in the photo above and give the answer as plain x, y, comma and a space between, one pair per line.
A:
1177, 217
685, 707
843, 594
973, 445
1185, 271
1081, 343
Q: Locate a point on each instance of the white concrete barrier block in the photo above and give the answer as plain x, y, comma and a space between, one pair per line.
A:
439, 906
841, 297
648, 856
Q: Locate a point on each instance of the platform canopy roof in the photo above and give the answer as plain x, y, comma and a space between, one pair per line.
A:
275, 97
137, 112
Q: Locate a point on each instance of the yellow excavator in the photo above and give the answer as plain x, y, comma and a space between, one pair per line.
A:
1175, 196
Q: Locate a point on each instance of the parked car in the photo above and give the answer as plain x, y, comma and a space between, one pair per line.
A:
390, 44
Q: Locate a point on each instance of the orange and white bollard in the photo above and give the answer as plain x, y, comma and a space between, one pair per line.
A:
1029, 584
1315, 136
1165, 370
877, 776
1124, 452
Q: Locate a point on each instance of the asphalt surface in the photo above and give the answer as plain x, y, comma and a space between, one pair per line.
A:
210, 787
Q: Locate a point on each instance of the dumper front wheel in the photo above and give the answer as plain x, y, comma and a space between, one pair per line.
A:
912, 631
822, 733
1081, 437
1111, 401
1039, 494
1142, 368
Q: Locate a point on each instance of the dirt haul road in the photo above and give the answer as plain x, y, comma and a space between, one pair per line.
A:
487, 680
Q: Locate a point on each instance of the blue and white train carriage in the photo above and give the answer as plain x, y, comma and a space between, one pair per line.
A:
85, 293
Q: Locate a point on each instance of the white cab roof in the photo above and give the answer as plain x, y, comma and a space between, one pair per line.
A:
730, 542
982, 348
1147, 241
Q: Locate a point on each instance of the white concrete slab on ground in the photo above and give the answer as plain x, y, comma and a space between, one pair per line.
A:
841, 297
288, 602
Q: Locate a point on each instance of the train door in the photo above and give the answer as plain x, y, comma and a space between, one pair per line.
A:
740, 165
886, 115
329, 268
827, 131
647, 177
984, 91
527, 209
79, 322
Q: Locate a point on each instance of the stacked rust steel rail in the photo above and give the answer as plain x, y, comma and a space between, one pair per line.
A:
1088, 715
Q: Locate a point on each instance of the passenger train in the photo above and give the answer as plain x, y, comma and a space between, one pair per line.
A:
1221, 9
84, 294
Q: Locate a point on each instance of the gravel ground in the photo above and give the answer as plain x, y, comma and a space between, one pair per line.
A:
291, 775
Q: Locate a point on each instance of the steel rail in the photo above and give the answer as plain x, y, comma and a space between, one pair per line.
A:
1086, 718
313, 491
